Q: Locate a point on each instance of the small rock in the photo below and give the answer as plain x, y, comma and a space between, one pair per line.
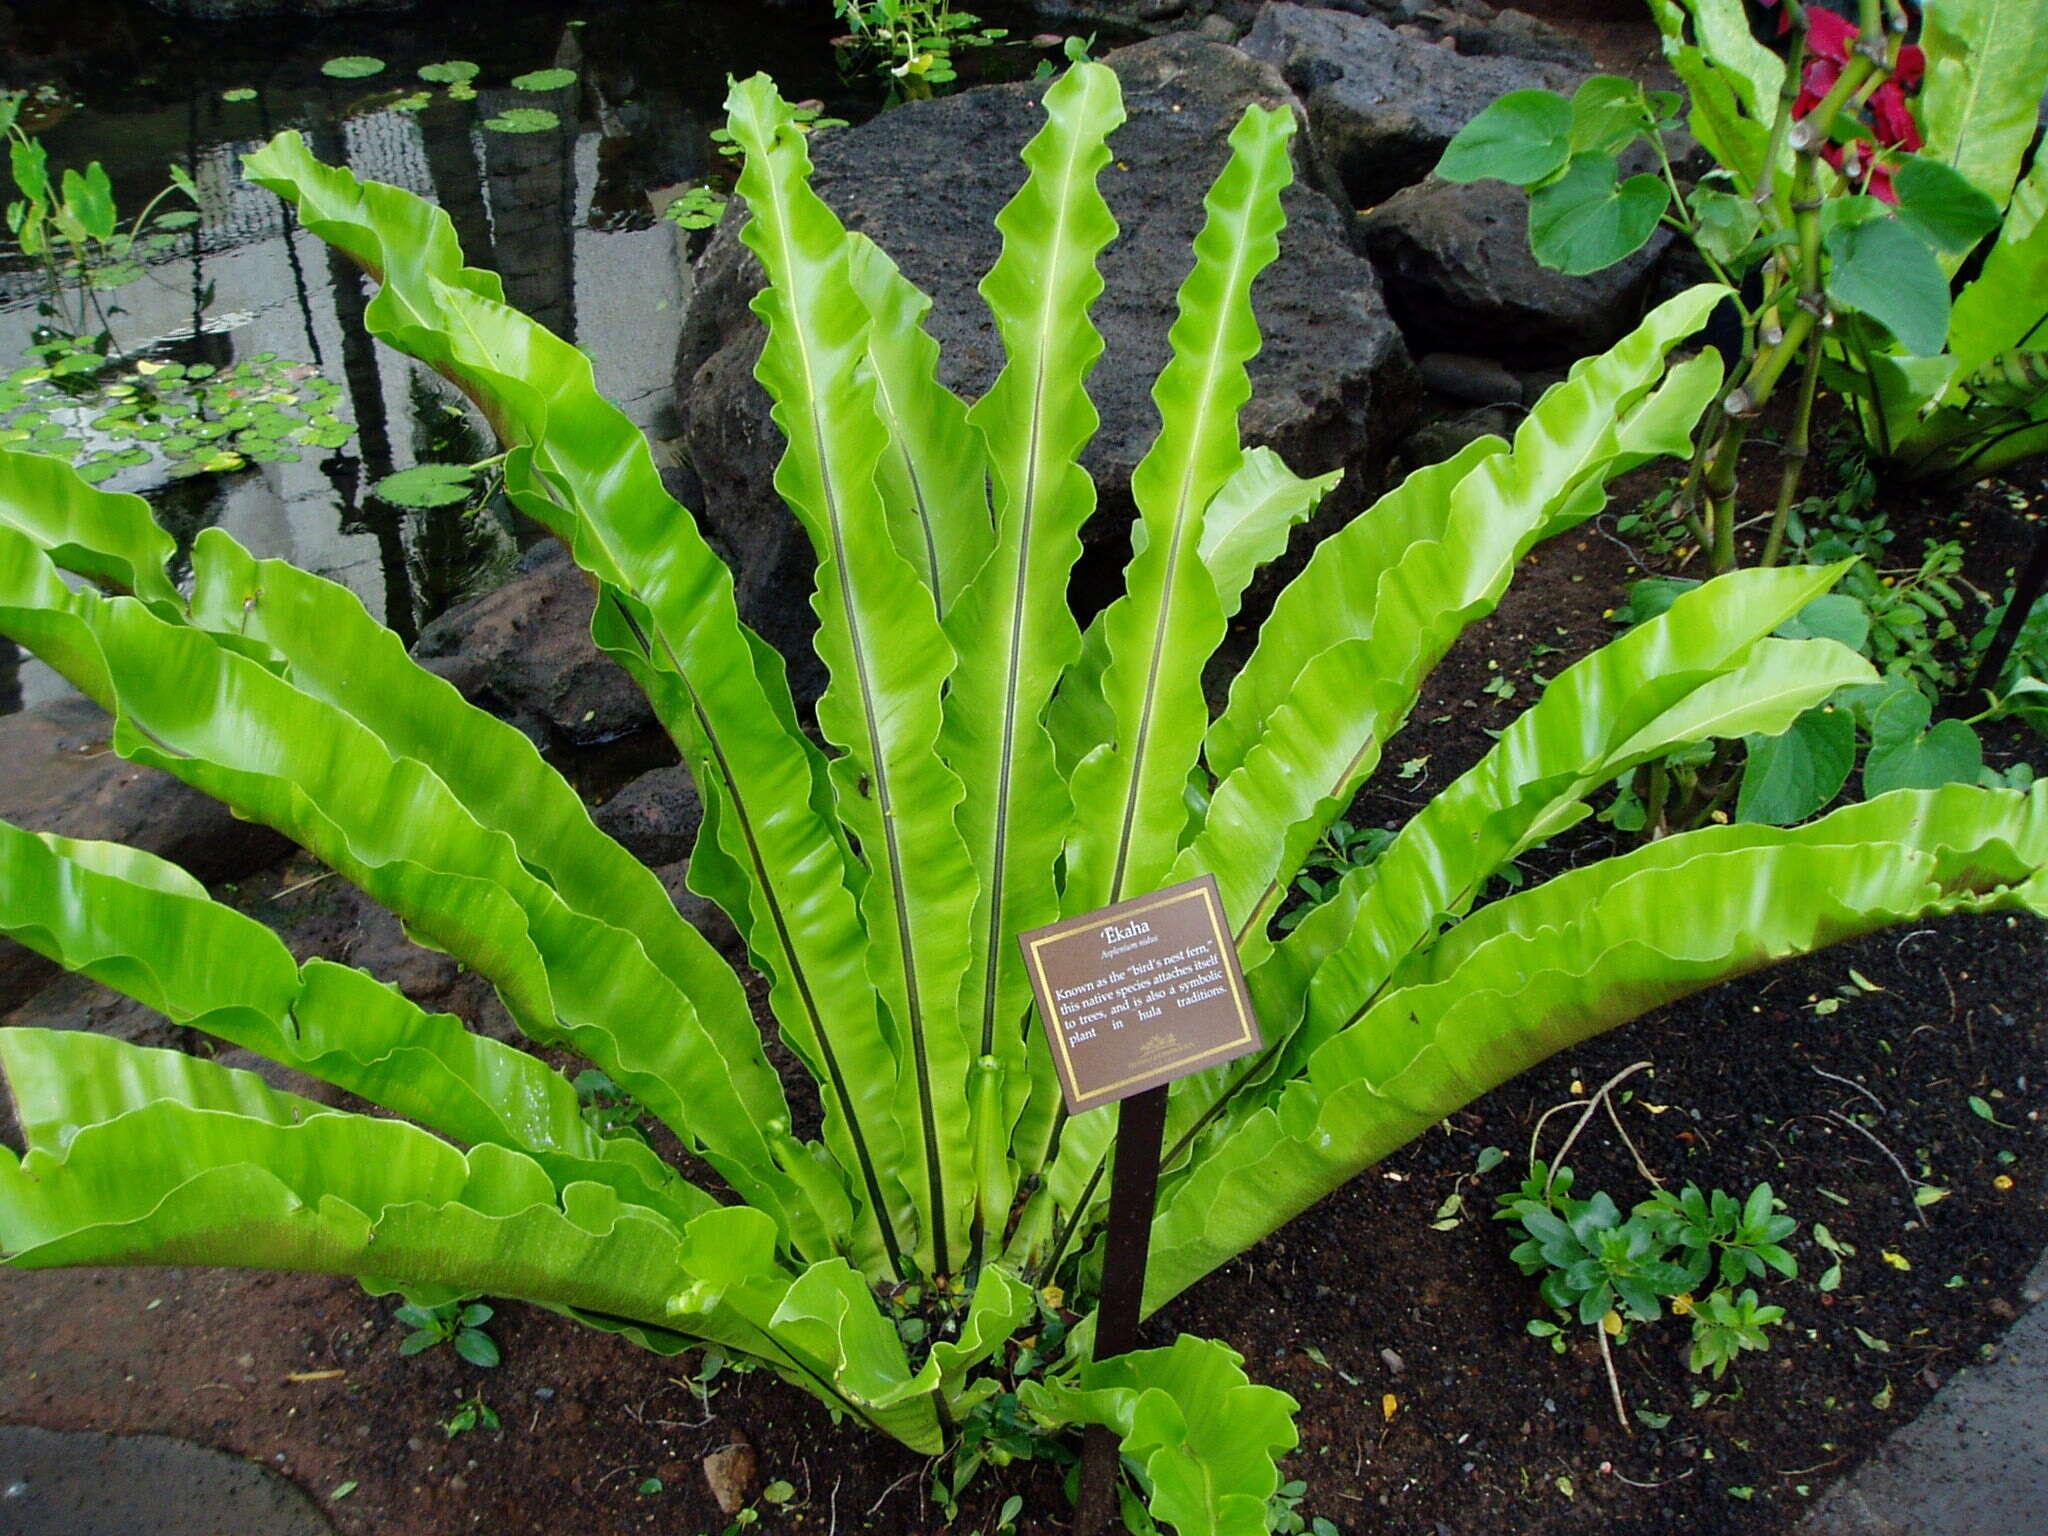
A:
524, 652
732, 1471
2002, 1309
655, 817
1218, 29
1539, 382
1515, 34
1393, 1361
1474, 380
1436, 441
573, 1412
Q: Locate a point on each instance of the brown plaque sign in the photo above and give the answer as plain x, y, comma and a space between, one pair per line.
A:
1140, 993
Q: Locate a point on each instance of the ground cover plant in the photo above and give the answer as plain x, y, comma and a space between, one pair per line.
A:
983, 764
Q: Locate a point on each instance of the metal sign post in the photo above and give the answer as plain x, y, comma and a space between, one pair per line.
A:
1133, 1183
1132, 997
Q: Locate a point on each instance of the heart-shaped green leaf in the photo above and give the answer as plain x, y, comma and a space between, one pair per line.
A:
1523, 137
1588, 219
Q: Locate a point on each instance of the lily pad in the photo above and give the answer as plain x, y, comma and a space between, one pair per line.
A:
239, 93
352, 66
544, 80
425, 485
448, 71
523, 120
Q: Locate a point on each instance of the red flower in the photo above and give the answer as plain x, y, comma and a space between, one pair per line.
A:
1828, 39
1828, 35
1894, 122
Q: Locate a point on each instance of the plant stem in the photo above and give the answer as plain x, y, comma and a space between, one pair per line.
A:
1797, 448
1613, 1381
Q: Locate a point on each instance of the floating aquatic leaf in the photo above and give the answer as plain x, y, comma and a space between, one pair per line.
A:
544, 80
352, 66
413, 101
449, 72
523, 120
425, 485
239, 93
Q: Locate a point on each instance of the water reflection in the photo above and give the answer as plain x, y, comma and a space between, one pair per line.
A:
250, 281
564, 215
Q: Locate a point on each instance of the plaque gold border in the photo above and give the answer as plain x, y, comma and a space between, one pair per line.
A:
1205, 891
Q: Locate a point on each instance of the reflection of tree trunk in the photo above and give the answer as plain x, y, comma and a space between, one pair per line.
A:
373, 429
532, 179
445, 136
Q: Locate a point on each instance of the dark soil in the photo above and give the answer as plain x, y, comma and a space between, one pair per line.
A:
1426, 1407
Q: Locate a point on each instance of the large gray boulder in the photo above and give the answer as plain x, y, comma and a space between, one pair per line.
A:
1460, 278
1332, 387
1382, 102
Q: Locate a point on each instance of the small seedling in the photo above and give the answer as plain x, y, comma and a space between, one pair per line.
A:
1342, 849
1725, 1325
607, 1108
1283, 1512
449, 1322
469, 1414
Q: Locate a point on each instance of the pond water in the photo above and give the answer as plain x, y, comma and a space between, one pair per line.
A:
567, 214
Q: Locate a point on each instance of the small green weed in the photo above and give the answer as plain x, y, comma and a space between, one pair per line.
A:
471, 1413
451, 1322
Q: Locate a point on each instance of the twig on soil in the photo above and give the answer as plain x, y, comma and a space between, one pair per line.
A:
1912, 1189
615, 1471
833, 1508
906, 1477
315, 1375
220, 1386
1628, 1141
1613, 1381
1590, 1105
703, 1402
1688, 1472
1850, 1083
301, 885
1802, 1471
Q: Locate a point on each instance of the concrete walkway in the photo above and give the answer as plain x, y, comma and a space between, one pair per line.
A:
1974, 1463
75, 1483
